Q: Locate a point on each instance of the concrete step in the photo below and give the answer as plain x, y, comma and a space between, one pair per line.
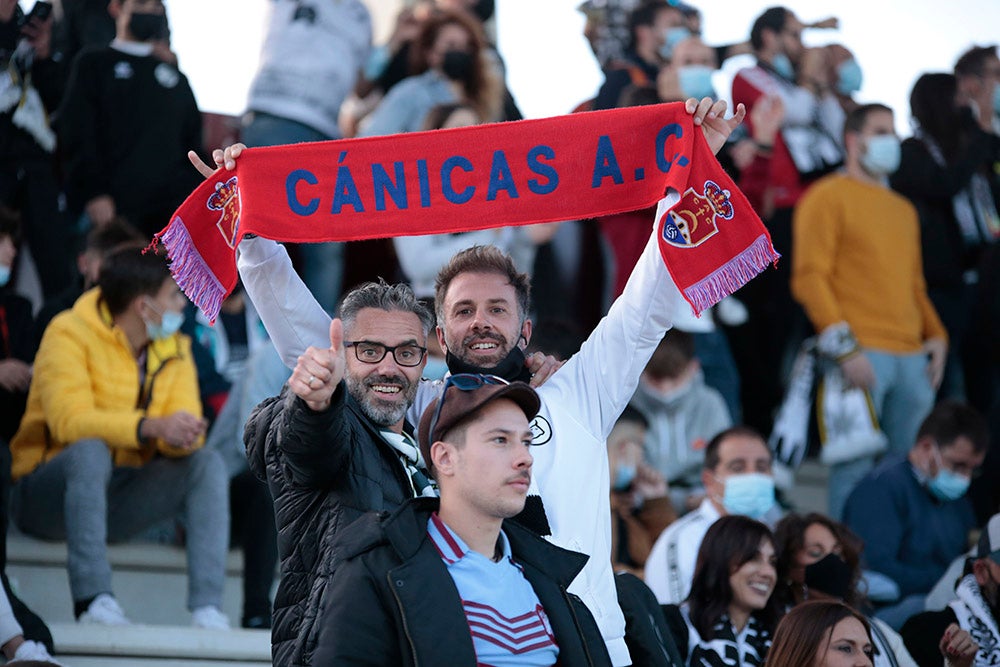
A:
159, 646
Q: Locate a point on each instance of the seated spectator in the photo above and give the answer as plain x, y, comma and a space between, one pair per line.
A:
683, 414
111, 439
730, 615
929, 634
122, 105
497, 590
640, 506
822, 634
819, 559
737, 478
923, 516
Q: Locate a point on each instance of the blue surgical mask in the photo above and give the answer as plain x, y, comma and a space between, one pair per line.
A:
996, 99
624, 476
4, 275
848, 77
946, 484
671, 38
696, 81
750, 494
882, 154
170, 323
783, 66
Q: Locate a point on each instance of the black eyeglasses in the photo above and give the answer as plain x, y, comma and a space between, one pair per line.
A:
464, 382
368, 352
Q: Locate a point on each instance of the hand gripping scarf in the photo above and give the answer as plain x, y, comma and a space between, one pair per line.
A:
570, 167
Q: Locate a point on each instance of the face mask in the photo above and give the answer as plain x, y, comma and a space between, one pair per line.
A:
881, 156
624, 475
4, 275
830, 575
170, 323
848, 77
783, 66
147, 27
996, 98
671, 38
696, 81
510, 368
947, 485
457, 65
750, 494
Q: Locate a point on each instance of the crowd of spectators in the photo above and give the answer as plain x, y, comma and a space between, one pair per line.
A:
885, 297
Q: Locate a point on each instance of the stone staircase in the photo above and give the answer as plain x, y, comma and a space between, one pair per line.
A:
150, 582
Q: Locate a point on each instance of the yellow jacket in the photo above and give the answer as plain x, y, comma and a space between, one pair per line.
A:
86, 385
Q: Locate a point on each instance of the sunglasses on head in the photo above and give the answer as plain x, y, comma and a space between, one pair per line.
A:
463, 382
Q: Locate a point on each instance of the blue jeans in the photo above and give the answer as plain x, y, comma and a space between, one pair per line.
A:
903, 397
322, 263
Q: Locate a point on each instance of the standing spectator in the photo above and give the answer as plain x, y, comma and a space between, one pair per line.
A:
924, 515
978, 74
731, 613
737, 478
122, 105
111, 439
856, 271
807, 146
449, 64
30, 88
311, 58
947, 171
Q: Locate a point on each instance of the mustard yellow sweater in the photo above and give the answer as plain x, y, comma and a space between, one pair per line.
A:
856, 258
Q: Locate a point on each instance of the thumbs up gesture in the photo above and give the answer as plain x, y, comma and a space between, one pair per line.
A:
319, 371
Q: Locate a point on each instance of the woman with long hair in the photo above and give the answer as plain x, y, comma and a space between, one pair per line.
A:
820, 559
730, 614
822, 633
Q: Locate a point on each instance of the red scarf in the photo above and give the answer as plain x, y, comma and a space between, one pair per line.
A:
570, 167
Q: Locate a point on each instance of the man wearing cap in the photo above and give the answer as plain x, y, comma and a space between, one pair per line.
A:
976, 609
333, 446
455, 568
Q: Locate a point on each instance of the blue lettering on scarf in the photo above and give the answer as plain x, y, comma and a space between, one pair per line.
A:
548, 171
384, 185
452, 163
291, 182
605, 164
425, 185
665, 133
345, 193
501, 178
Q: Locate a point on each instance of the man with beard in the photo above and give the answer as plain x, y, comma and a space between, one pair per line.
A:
482, 304
976, 609
332, 446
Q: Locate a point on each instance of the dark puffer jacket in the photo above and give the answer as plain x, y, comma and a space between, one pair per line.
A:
392, 602
324, 471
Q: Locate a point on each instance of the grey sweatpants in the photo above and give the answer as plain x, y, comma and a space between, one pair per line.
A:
81, 497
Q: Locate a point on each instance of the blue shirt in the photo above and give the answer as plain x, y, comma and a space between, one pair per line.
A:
506, 619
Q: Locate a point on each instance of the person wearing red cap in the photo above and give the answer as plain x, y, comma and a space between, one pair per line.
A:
456, 568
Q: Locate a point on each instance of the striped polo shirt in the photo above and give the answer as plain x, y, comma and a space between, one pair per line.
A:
506, 619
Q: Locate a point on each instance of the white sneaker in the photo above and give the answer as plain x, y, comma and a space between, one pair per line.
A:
31, 650
104, 610
210, 618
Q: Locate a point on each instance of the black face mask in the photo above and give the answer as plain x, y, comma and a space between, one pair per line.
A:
457, 65
147, 27
830, 575
510, 368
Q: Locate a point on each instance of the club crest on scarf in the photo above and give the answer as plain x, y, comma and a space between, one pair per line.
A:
693, 220
226, 198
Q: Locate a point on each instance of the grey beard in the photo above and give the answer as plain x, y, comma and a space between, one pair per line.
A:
381, 414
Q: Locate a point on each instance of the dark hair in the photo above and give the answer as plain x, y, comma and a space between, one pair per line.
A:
672, 355
482, 259
644, 15
128, 272
559, 337
440, 113
479, 84
932, 104
102, 240
636, 96
10, 224
712, 448
729, 543
855, 121
772, 19
806, 630
789, 538
383, 296
972, 62
951, 420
